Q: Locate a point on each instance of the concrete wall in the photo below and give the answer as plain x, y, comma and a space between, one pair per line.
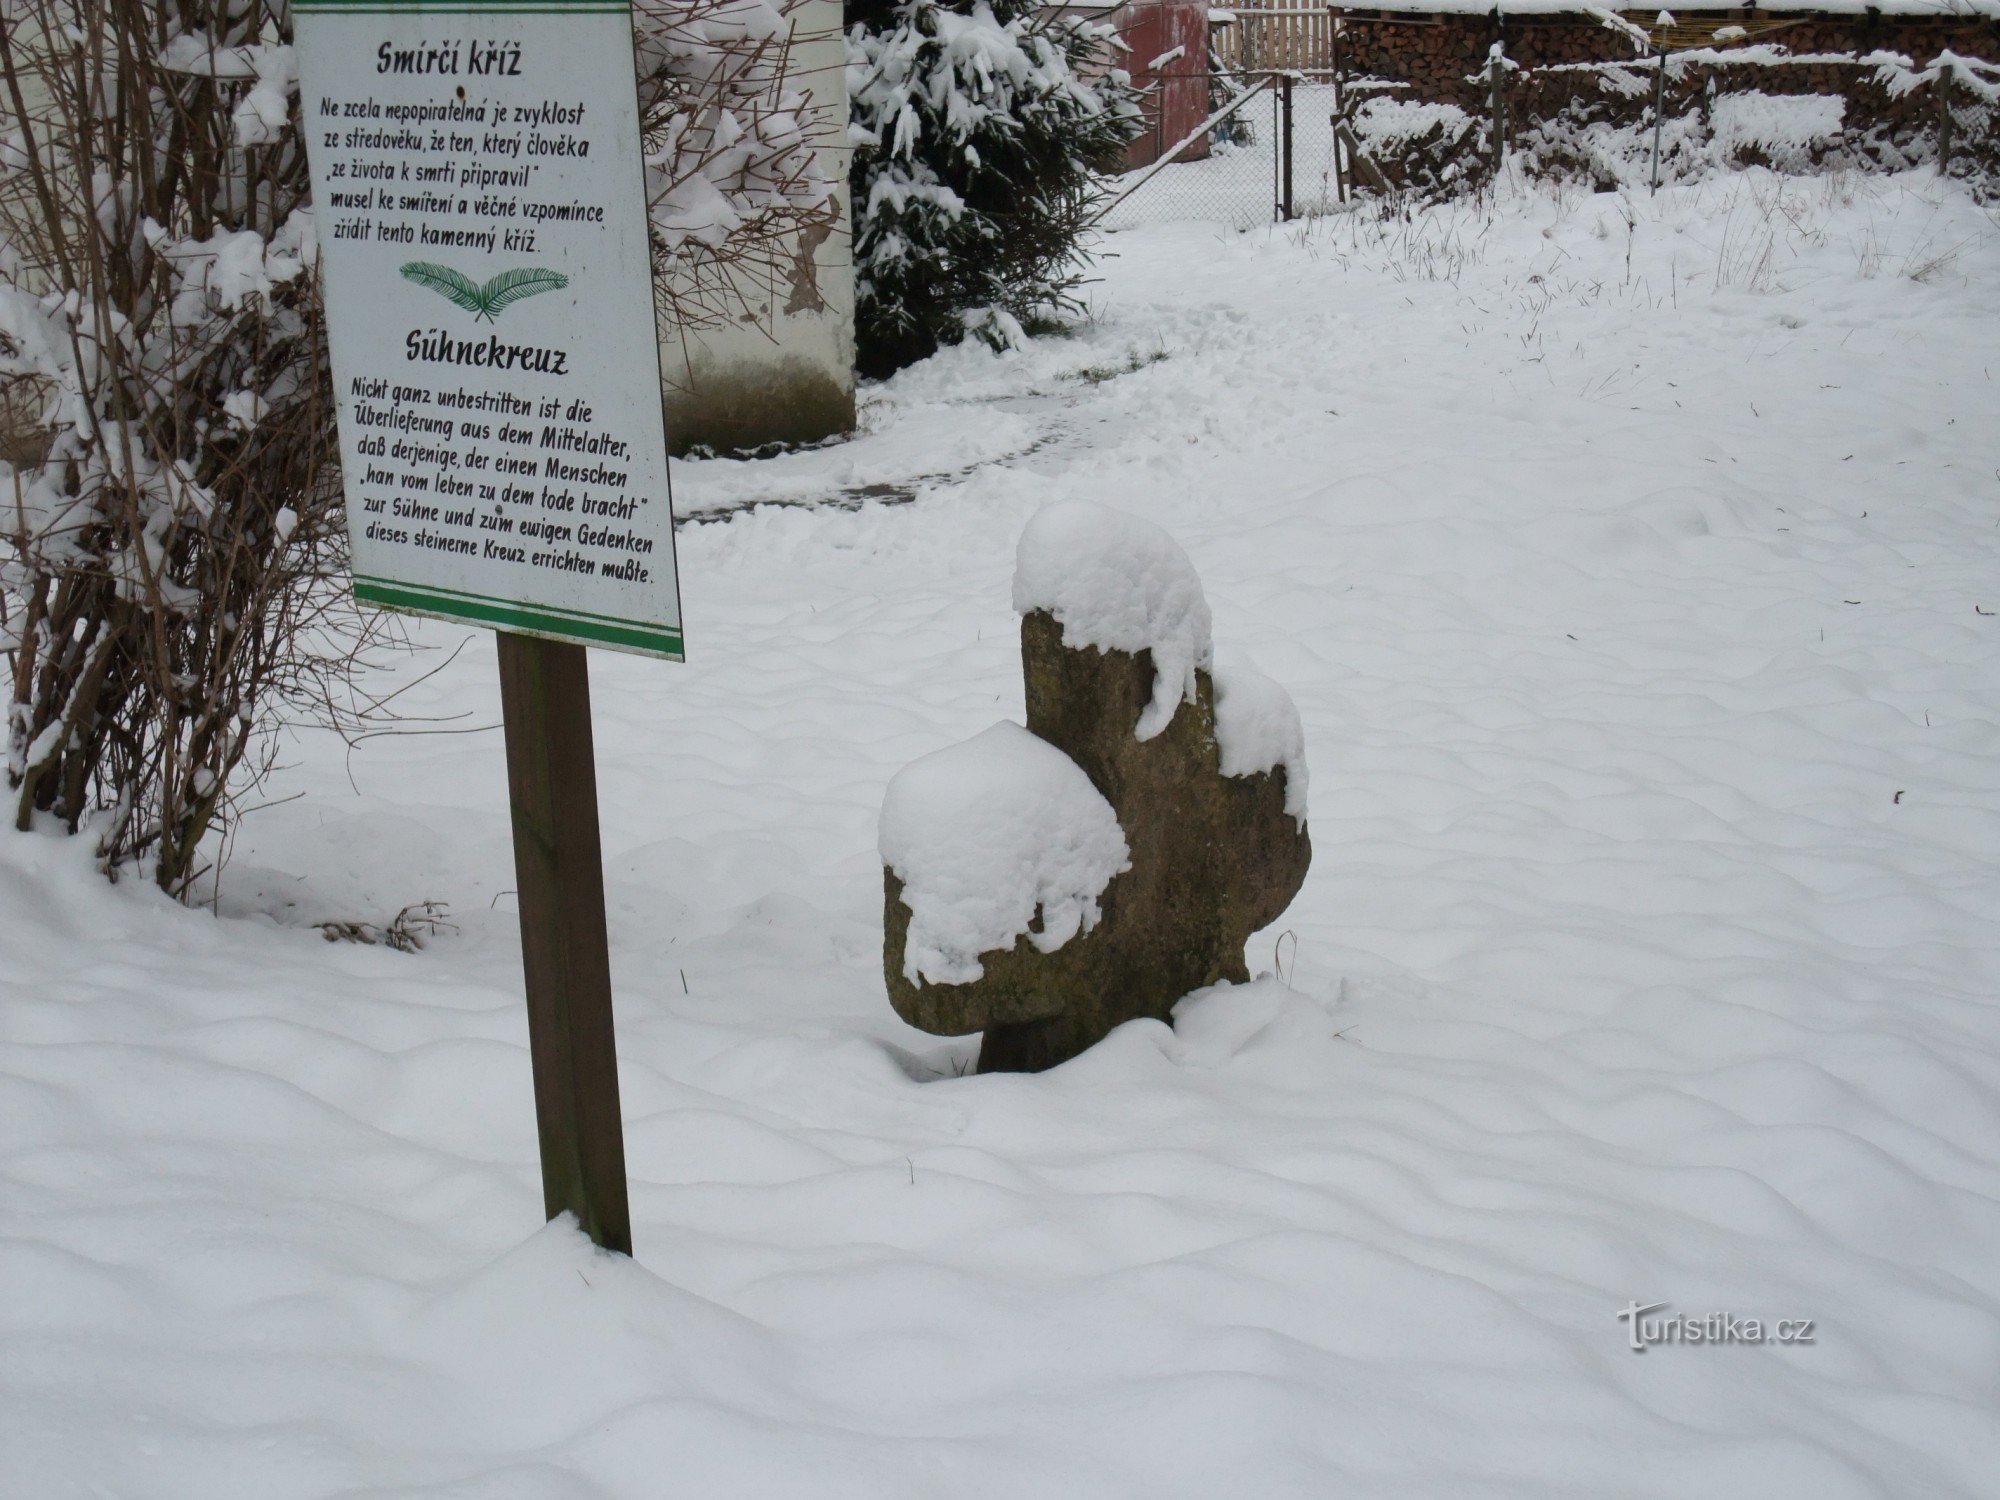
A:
786, 373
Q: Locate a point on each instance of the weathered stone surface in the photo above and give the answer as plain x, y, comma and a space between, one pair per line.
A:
1214, 858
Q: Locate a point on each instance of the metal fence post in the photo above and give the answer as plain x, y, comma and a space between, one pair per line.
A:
1496, 74
1944, 118
1339, 109
1285, 134
1659, 110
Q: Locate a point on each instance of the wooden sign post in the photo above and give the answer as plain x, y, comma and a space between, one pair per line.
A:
565, 955
480, 203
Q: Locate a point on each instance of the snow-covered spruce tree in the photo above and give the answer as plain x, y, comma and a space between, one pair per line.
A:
978, 128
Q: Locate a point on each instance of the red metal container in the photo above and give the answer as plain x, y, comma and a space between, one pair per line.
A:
1168, 57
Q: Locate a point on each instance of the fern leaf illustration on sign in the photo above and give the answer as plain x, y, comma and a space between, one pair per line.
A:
509, 287
490, 300
452, 285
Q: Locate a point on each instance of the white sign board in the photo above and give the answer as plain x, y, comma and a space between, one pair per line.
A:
482, 225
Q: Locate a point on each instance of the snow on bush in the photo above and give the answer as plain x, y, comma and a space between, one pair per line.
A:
1388, 123
978, 128
736, 193
1781, 128
172, 514
1426, 148
171, 522
997, 837
1257, 728
1118, 583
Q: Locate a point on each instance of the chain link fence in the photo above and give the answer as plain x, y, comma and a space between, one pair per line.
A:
1294, 143
1265, 154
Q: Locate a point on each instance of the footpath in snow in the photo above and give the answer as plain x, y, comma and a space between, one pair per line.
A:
1635, 566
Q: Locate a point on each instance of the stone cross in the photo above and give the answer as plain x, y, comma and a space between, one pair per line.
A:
1214, 858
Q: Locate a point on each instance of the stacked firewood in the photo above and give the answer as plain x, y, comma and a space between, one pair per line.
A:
1443, 58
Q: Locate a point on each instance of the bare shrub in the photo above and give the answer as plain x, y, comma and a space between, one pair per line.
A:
168, 477
173, 570
736, 195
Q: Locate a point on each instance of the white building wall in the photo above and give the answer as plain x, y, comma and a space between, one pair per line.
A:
786, 372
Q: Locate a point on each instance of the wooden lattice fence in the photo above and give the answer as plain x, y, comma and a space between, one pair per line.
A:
1276, 36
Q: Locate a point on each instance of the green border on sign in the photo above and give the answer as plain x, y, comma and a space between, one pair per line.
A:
543, 620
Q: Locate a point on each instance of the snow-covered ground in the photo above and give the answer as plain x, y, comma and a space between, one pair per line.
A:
1635, 565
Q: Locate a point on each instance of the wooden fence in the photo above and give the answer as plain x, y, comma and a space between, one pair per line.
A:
1276, 36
